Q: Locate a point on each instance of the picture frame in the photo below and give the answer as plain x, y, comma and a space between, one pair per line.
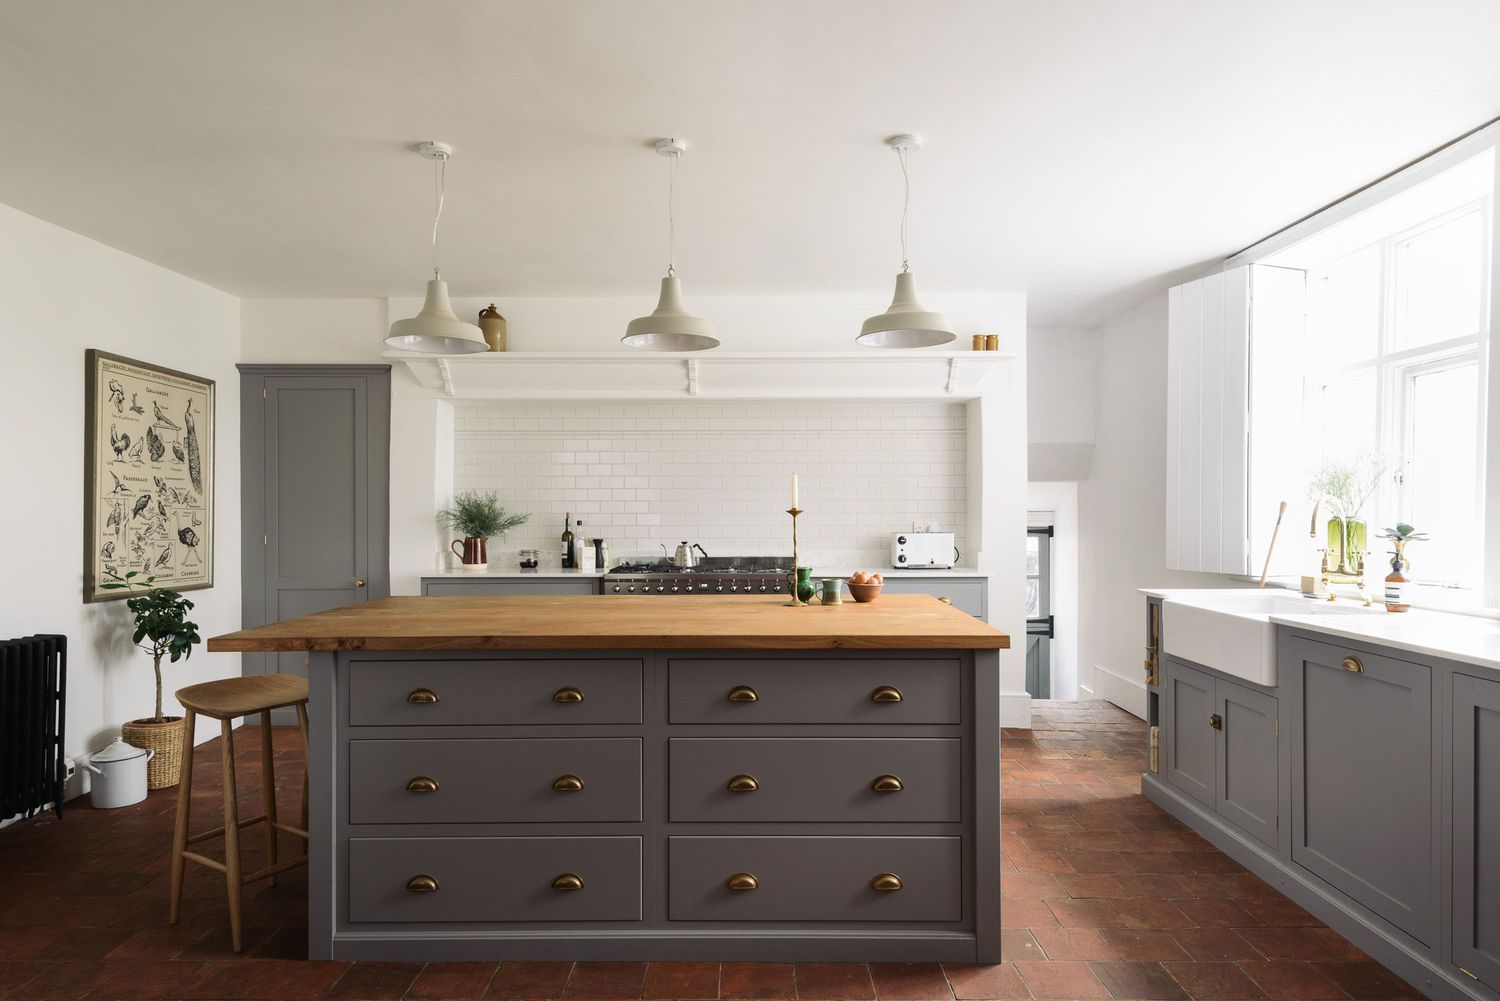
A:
148, 475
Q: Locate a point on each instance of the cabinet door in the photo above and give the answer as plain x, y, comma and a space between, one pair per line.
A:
1247, 772
1476, 828
965, 593
1362, 779
1189, 738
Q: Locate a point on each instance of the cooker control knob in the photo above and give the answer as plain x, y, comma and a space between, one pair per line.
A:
674, 588
661, 587
631, 589
617, 589
733, 587
763, 588
720, 586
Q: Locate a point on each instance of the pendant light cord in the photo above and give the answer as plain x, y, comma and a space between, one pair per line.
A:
671, 215
905, 206
440, 178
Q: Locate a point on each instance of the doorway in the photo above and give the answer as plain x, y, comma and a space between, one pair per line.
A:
1041, 627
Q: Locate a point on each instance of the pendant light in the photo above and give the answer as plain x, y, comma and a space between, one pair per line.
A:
670, 327
906, 324
436, 330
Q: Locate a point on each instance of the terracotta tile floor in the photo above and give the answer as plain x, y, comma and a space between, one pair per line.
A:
1105, 897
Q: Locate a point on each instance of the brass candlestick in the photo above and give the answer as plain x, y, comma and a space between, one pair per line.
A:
794, 581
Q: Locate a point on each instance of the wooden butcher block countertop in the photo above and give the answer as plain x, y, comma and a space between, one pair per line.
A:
599, 622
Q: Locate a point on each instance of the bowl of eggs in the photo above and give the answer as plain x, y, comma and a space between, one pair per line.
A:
865, 586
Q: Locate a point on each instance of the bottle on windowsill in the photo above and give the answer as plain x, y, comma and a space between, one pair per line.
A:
567, 542
1395, 582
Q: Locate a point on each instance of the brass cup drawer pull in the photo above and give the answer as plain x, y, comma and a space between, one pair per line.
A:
1353, 665
742, 882
885, 693
422, 696
886, 882
1216, 721
743, 783
743, 693
945, 599
567, 694
422, 884
568, 881
886, 783
422, 783
567, 783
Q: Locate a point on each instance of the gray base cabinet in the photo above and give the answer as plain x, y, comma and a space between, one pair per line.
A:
967, 594
1476, 828
506, 587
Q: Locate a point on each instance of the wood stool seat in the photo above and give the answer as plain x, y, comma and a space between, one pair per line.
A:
225, 701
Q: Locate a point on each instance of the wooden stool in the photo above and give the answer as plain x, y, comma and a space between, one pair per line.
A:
224, 701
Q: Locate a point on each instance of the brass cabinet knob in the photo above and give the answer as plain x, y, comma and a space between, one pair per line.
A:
742, 882
422, 783
422, 884
359, 582
743, 783
1352, 664
886, 783
568, 881
422, 696
743, 693
567, 783
885, 693
567, 694
945, 599
1216, 721
886, 882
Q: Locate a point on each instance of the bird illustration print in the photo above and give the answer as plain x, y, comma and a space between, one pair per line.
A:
162, 420
154, 444
194, 457
117, 396
107, 551
189, 538
118, 488
135, 453
112, 523
166, 555
135, 406
177, 452
141, 504
119, 441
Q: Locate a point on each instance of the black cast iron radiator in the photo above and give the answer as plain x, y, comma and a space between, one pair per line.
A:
33, 684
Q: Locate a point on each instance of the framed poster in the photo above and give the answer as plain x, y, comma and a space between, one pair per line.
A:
148, 475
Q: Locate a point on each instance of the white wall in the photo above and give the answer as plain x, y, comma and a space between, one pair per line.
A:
59, 295
1121, 507
1061, 377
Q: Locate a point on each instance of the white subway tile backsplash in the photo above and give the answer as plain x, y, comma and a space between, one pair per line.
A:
646, 475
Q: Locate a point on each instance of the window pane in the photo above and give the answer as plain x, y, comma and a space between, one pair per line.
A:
1442, 474
1033, 555
1440, 283
1033, 598
1350, 419
1343, 311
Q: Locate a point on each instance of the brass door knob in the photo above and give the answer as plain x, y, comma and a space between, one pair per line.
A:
886, 783
567, 694
743, 783
885, 693
359, 582
742, 882
568, 881
422, 696
422, 783
743, 693
886, 882
567, 783
1352, 664
1216, 721
422, 884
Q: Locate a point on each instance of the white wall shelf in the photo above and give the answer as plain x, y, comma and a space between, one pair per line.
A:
866, 374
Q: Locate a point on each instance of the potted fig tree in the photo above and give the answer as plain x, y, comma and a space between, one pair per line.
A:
162, 629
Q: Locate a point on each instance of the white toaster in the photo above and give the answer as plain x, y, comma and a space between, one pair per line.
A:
923, 549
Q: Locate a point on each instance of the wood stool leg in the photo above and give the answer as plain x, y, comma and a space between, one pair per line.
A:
184, 807
302, 727
268, 790
231, 834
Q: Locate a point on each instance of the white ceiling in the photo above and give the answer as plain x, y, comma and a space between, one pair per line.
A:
1082, 151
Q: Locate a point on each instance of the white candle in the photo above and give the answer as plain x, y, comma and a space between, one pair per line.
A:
794, 490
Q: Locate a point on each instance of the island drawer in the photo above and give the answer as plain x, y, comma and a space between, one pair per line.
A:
843, 780
752, 690
504, 781
815, 879
456, 692
494, 879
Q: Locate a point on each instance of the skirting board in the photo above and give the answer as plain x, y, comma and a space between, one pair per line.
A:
1129, 695
1383, 945
1015, 710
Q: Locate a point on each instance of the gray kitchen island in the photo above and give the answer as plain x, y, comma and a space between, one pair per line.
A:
591, 778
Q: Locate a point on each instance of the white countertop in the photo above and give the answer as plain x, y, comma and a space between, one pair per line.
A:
1469, 639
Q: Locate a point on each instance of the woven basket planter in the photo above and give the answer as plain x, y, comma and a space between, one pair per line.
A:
165, 769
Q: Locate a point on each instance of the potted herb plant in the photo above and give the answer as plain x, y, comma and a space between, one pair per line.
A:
162, 629
478, 517
1345, 487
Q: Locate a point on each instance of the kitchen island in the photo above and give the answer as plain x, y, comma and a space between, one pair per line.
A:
593, 778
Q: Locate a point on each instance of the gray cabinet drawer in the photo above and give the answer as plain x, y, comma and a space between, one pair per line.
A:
966, 594
814, 691
507, 588
815, 879
494, 781
814, 779
480, 692
494, 879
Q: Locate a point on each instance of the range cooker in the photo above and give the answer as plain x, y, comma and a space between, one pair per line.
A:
715, 575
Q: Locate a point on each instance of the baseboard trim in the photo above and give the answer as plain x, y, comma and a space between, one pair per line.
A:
1385, 945
1124, 692
1015, 710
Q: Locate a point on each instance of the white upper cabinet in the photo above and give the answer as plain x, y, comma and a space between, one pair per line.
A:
1234, 401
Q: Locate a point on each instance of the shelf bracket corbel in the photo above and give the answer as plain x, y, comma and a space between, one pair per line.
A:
447, 375
952, 376
692, 376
